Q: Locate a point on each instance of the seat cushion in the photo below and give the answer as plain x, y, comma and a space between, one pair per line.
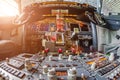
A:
8, 48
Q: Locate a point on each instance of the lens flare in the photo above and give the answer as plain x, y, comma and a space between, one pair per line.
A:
8, 8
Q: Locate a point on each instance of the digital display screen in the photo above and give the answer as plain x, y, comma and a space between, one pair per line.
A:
61, 73
27, 56
52, 27
84, 28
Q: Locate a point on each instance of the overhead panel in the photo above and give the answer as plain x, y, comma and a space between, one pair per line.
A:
111, 6
27, 2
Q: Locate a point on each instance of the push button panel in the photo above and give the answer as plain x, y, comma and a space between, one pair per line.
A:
9, 73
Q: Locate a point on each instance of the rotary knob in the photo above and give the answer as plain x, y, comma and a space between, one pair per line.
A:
112, 76
7, 78
115, 72
2, 73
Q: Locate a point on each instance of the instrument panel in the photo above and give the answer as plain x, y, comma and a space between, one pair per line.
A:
55, 67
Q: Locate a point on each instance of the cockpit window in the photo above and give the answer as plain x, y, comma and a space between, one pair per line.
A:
8, 8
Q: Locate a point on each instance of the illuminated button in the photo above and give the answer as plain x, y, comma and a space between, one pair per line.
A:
13, 71
115, 72
2, 73
7, 68
21, 75
118, 69
1, 65
68, 65
54, 65
4, 67
75, 65
16, 73
112, 75
10, 70
7, 78
115, 65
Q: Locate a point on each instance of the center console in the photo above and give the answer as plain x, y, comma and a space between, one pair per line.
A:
59, 67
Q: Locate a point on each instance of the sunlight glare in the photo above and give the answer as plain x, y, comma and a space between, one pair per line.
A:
8, 8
